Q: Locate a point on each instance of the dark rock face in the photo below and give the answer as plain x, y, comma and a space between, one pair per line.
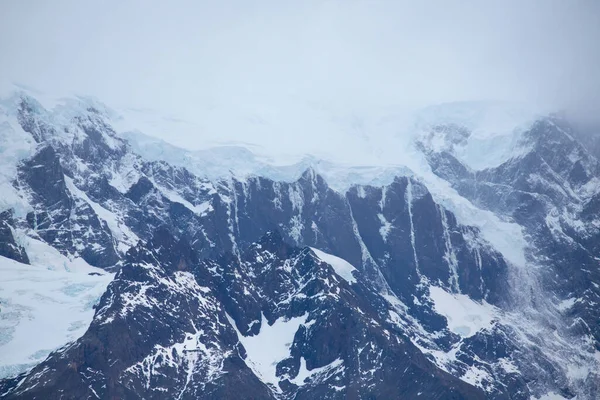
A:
369, 227
27, 116
9, 248
152, 313
99, 142
545, 191
345, 333
210, 266
62, 220
550, 191
346, 325
425, 239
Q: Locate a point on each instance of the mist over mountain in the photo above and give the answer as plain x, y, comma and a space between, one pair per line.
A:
310, 200
467, 272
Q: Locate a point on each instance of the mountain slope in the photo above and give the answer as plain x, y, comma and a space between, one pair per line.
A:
469, 283
196, 349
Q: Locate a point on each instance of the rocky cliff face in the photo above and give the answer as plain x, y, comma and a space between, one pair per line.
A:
276, 323
551, 191
258, 288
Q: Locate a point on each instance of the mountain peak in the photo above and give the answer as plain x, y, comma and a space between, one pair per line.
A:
249, 283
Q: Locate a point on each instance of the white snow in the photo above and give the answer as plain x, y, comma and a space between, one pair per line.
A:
341, 267
208, 359
304, 373
47, 257
387, 151
465, 316
567, 303
270, 346
378, 146
173, 196
506, 237
495, 130
15, 145
127, 174
409, 200
553, 396
43, 308
477, 377
284, 131
121, 232
377, 138
450, 255
386, 226
508, 366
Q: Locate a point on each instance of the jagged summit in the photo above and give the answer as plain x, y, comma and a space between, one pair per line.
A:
309, 280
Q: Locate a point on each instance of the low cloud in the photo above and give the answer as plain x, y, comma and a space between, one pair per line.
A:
351, 56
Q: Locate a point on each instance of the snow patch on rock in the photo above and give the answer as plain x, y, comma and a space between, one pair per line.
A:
270, 346
465, 317
304, 374
341, 267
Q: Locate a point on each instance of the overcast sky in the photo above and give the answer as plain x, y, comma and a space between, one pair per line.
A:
178, 56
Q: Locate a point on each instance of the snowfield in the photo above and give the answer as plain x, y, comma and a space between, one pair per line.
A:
465, 316
271, 345
50, 303
43, 308
341, 267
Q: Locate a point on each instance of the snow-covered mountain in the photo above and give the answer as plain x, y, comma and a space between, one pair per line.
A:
464, 264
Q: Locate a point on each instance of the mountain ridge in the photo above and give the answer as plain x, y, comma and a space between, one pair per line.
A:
82, 190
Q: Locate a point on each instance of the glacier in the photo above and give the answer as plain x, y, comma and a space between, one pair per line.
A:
44, 305
126, 184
